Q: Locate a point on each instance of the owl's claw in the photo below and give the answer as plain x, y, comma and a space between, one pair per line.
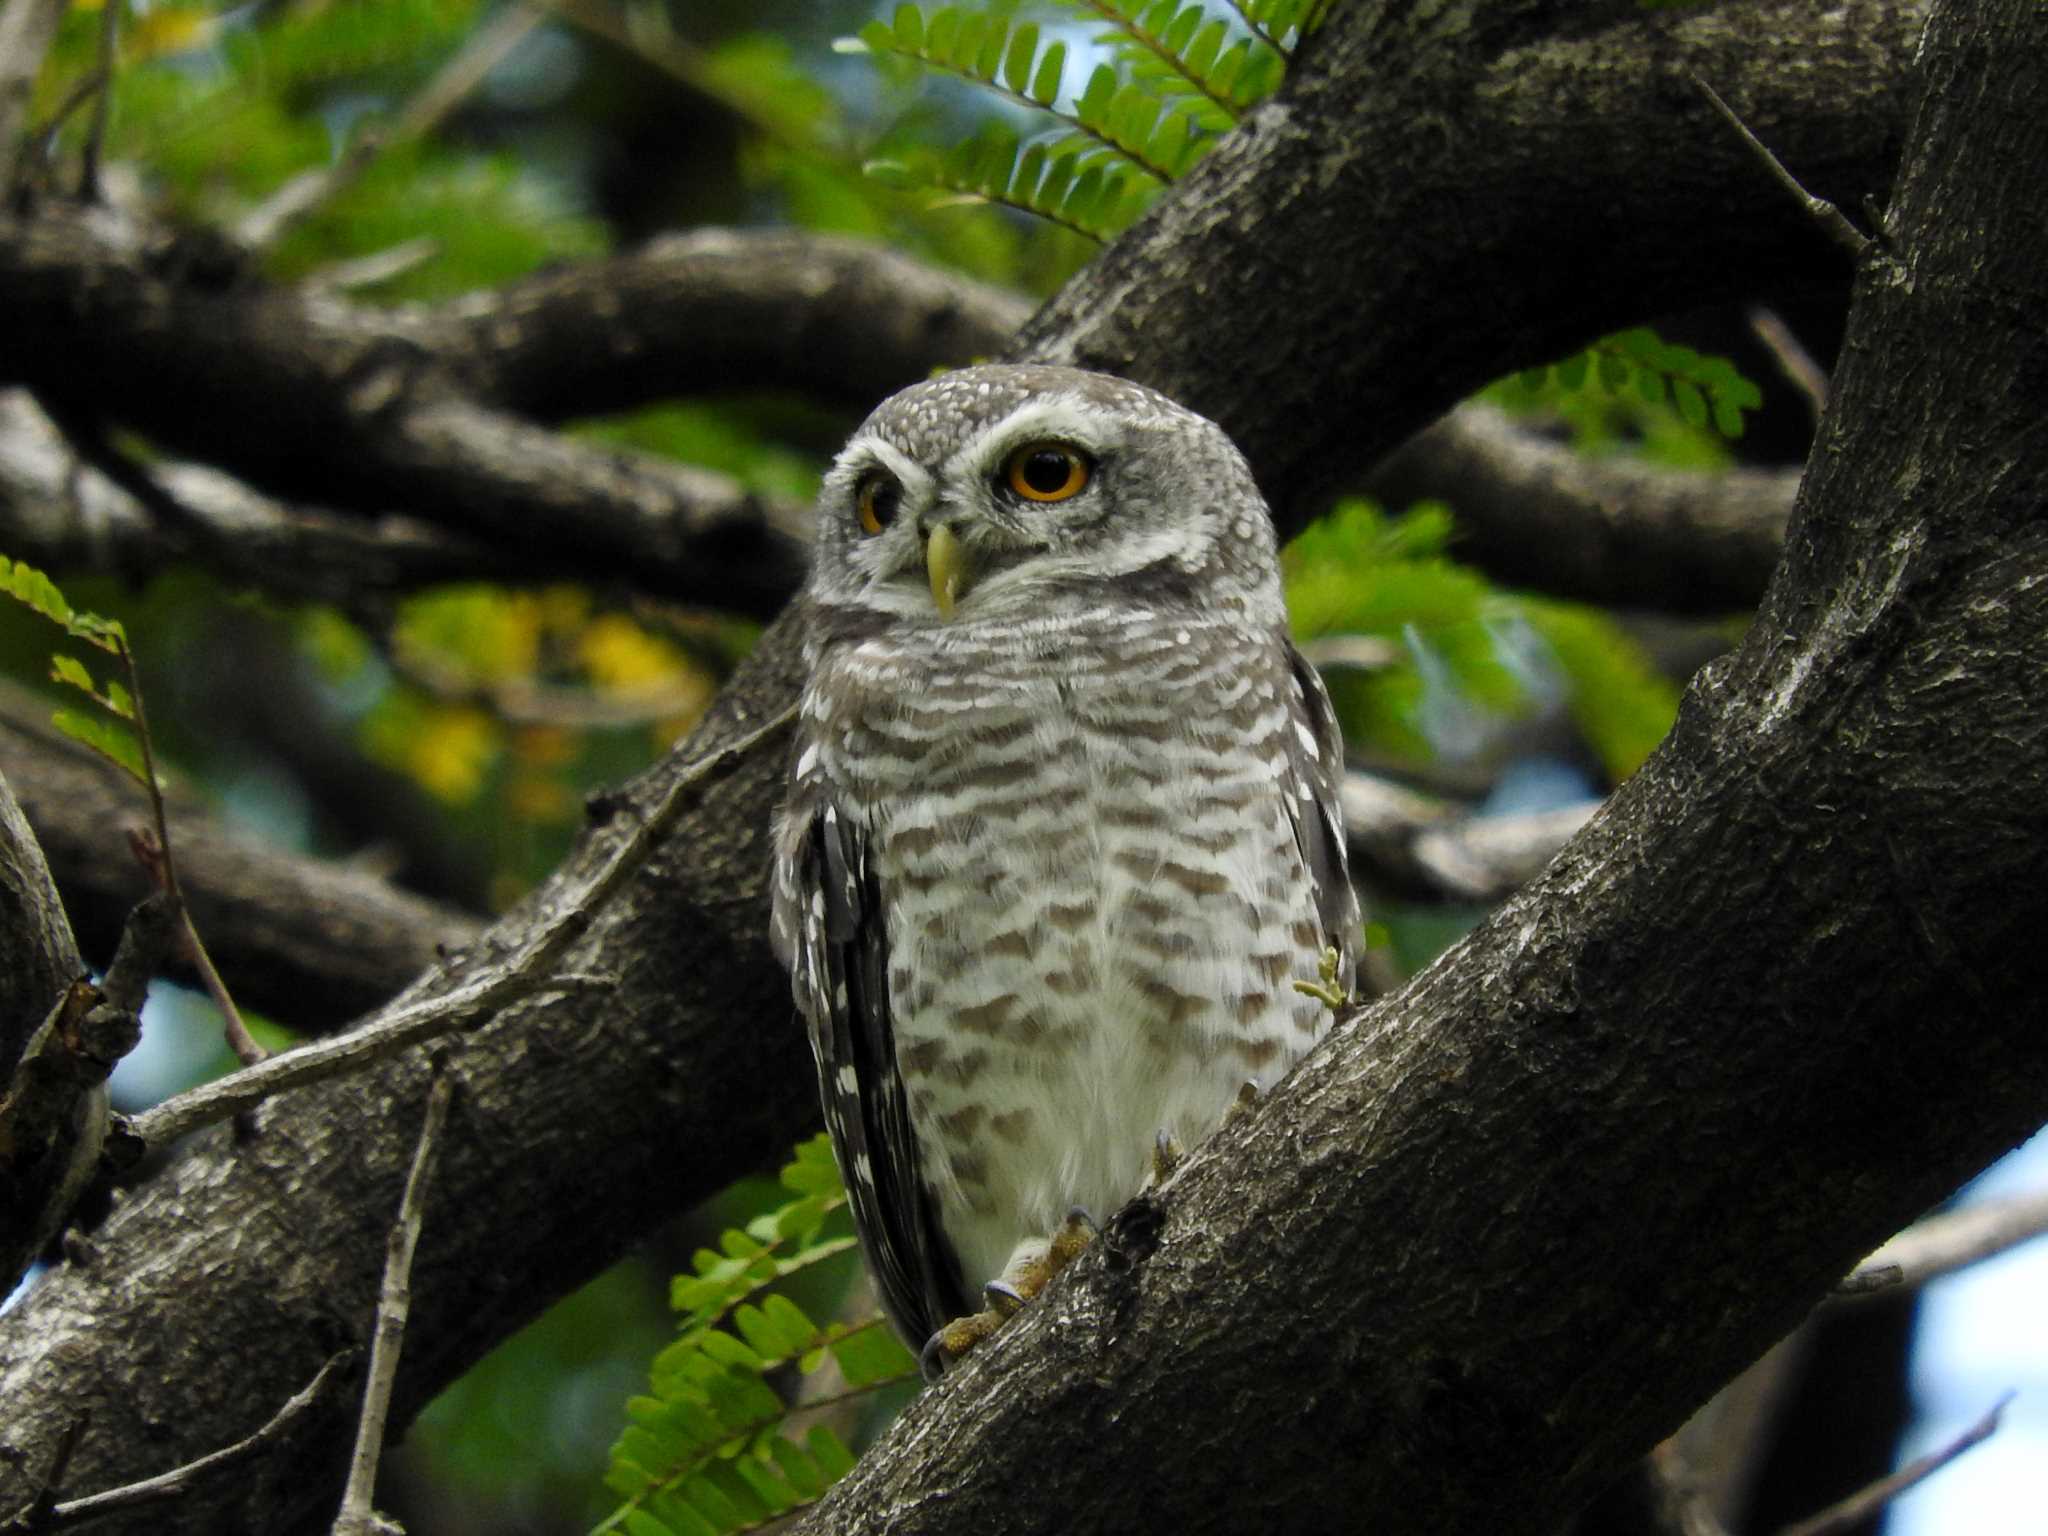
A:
1326, 989
1249, 1097
1006, 1296
1167, 1155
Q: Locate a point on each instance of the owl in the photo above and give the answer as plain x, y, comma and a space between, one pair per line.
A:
1062, 824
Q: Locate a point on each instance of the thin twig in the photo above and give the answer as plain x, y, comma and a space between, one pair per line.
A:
452, 84
357, 1517
432, 1017
111, 12
1867, 1501
176, 1482
1833, 222
1942, 1244
156, 857
1791, 356
1260, 32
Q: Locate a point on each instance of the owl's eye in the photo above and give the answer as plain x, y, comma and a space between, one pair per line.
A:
1047, 472
875, 500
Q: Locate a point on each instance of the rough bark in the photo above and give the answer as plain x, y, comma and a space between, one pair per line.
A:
688, 1071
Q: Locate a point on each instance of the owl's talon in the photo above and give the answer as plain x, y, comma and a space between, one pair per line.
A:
1326, 989
956, 1339
1249, 1096
1167, 1155
1004, 1298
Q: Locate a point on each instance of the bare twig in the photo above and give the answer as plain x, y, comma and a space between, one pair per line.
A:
174, 1483
1867, 1501
414, 1023
377, 267
1833, 222
27, 28
357, 1517
1417, 844
1942, 1244
1791, 356
449, 88
111, 14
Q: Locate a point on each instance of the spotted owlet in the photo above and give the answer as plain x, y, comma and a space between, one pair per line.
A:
1062, 826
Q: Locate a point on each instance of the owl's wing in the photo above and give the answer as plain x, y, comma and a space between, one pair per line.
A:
830, 930
1315, 769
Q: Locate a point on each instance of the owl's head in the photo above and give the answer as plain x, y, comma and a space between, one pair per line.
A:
1002, 491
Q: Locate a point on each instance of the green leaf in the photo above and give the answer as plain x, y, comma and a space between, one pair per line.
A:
830, 1452
1093, 107
988, 59
909, 29
1692, 405
1052, 67
115, 743
69, 669
804, 1475
1017, 61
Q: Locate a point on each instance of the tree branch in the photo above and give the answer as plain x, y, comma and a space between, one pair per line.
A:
304, 396
1533, 514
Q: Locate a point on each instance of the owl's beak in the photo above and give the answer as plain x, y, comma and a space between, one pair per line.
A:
945, 564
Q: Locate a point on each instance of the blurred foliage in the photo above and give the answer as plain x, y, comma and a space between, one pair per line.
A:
1456, 650
1000, 140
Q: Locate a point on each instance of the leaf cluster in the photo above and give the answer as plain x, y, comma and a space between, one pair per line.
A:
1704, 391
120, 744
1177, 76
705, 1451
1454, 655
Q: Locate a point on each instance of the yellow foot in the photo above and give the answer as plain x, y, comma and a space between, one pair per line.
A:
1006, 1297
1167, 1155
1249, 1097
1325, 989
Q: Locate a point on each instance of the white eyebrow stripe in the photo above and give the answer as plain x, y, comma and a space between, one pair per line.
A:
1060, 416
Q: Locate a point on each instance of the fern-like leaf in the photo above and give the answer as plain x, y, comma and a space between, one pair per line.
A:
1170, 48
1064, 181
1704, 390
705, 1451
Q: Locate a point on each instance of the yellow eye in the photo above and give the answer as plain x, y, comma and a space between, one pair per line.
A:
1046, 472
875, 500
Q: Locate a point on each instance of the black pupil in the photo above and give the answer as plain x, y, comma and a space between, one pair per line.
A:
1047, 471
882, 501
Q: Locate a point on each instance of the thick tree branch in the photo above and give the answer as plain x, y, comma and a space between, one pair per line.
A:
59, 514
690, 1070
845, 322
307, 397
1532, 513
